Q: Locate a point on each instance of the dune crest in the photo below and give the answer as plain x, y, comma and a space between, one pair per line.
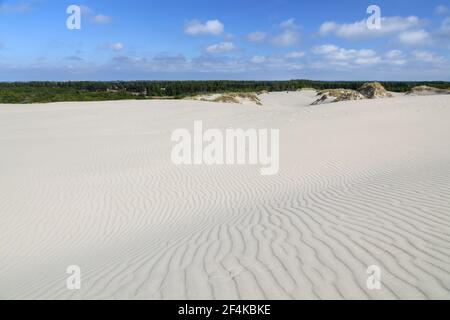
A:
371, 90
337, 95
374, 90
427, 90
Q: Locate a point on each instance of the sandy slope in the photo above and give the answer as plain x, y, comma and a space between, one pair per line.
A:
361, 183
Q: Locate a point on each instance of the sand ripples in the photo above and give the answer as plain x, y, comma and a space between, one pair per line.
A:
142, 228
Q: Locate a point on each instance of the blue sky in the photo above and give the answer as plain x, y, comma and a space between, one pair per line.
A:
218, 39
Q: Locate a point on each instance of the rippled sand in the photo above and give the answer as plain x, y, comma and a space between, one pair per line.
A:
361, 183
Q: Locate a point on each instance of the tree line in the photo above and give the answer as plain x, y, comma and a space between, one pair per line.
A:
46, 91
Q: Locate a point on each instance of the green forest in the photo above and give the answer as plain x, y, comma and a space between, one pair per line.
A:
41, 92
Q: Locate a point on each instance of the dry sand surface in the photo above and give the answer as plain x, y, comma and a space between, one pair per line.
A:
361, 183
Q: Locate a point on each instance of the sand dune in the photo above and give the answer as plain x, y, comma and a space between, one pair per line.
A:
361, 183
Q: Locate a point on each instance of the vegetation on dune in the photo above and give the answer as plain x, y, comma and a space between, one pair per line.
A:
40, 92
229, 97
370, 90
337, 95
419, 90
374, 90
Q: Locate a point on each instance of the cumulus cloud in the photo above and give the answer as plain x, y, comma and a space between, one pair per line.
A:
414, 37
341, 53
195, 27
287, 38
221, 47
427, 56
395, 57
344, 57
359, 30
257, 36
394, 54
289, 24
332, 57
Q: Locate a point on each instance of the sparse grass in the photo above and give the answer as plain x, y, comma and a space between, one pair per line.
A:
231, 97
424, 89
342, 94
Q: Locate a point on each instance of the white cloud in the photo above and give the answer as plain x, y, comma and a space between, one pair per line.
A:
195, 27
295, 54
118, 46
221, 47
393, 54
343, 57
328, 27
341, 53
335, 58
414, 37
395, 57
427, 56
368, 61
286, 38
258, 59
359, 30
441, 10
326, 49
289, 24
257, 36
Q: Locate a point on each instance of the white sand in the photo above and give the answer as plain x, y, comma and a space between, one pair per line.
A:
91, 184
